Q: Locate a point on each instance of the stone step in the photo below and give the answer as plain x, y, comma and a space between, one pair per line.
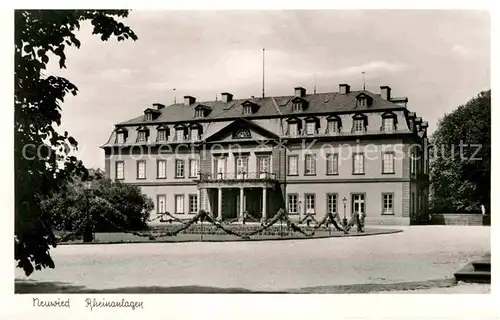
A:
469, 274
482, 265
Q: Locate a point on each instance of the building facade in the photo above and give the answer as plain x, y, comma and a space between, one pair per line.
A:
340, 152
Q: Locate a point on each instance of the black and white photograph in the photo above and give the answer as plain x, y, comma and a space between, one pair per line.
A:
296, 152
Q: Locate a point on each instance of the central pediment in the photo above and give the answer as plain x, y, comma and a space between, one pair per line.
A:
242, 130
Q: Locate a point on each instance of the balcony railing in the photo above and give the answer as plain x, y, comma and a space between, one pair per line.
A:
244, 176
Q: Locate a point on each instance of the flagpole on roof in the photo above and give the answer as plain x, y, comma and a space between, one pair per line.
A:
364, 80
263, 72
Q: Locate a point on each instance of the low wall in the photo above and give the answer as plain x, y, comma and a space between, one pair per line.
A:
462, 219
387, 221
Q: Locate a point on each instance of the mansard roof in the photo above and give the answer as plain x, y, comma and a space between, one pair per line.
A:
268, 107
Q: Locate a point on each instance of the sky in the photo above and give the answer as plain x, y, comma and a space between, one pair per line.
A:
438, 59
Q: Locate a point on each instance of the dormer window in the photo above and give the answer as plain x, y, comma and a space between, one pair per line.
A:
388, 124
364, 100
179, 134
297, 106
247, 110
312, 125
199, 113
148, 117
293, 129
162, 135
333, 124
120, 137
389, 121
142, 134
359, 123
151, 114
195, 134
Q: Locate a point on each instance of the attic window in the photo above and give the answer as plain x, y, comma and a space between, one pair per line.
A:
297, 106
199, 113
362, 102
120, 137
247, 109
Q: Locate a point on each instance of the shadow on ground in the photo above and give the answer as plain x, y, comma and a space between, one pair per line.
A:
30, 286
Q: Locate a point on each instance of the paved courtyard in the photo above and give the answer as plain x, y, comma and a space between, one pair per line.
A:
420, 254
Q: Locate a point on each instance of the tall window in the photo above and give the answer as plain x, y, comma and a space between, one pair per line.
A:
193, 168
179, 168
179, 134
358, 203
388, 203
120, 137
162, 135
293, 204
332, 163
359, 125
293, 129
241, 167
194, 134
331, 203
388, 124
161, 204
310, 128
141, 136
119, 170
179, 203
193, 203
293, 165
413, 203
263, 166
161, 169
388, 162
310, 203
333, 127
141, 169
310, 164
220, 167
413, 162
358, 163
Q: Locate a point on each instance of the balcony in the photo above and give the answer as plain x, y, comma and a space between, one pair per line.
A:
243, 179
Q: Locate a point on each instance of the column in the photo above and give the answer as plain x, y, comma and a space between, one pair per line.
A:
242, 199
219, 204
264, 204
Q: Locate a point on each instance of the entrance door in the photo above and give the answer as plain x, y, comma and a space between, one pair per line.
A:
358, 203
263, 166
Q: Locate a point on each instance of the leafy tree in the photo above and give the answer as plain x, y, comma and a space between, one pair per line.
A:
461, 161
100, 206
41, 155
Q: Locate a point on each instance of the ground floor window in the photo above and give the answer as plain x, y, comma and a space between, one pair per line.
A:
310, 203
179, 203
387, 203
293, 204
161, 203
193, 203
331, 203
358, 203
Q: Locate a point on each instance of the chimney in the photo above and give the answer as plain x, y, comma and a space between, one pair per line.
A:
188, 100
385, 92
344, 88
158, 106
226, 97
300, 92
